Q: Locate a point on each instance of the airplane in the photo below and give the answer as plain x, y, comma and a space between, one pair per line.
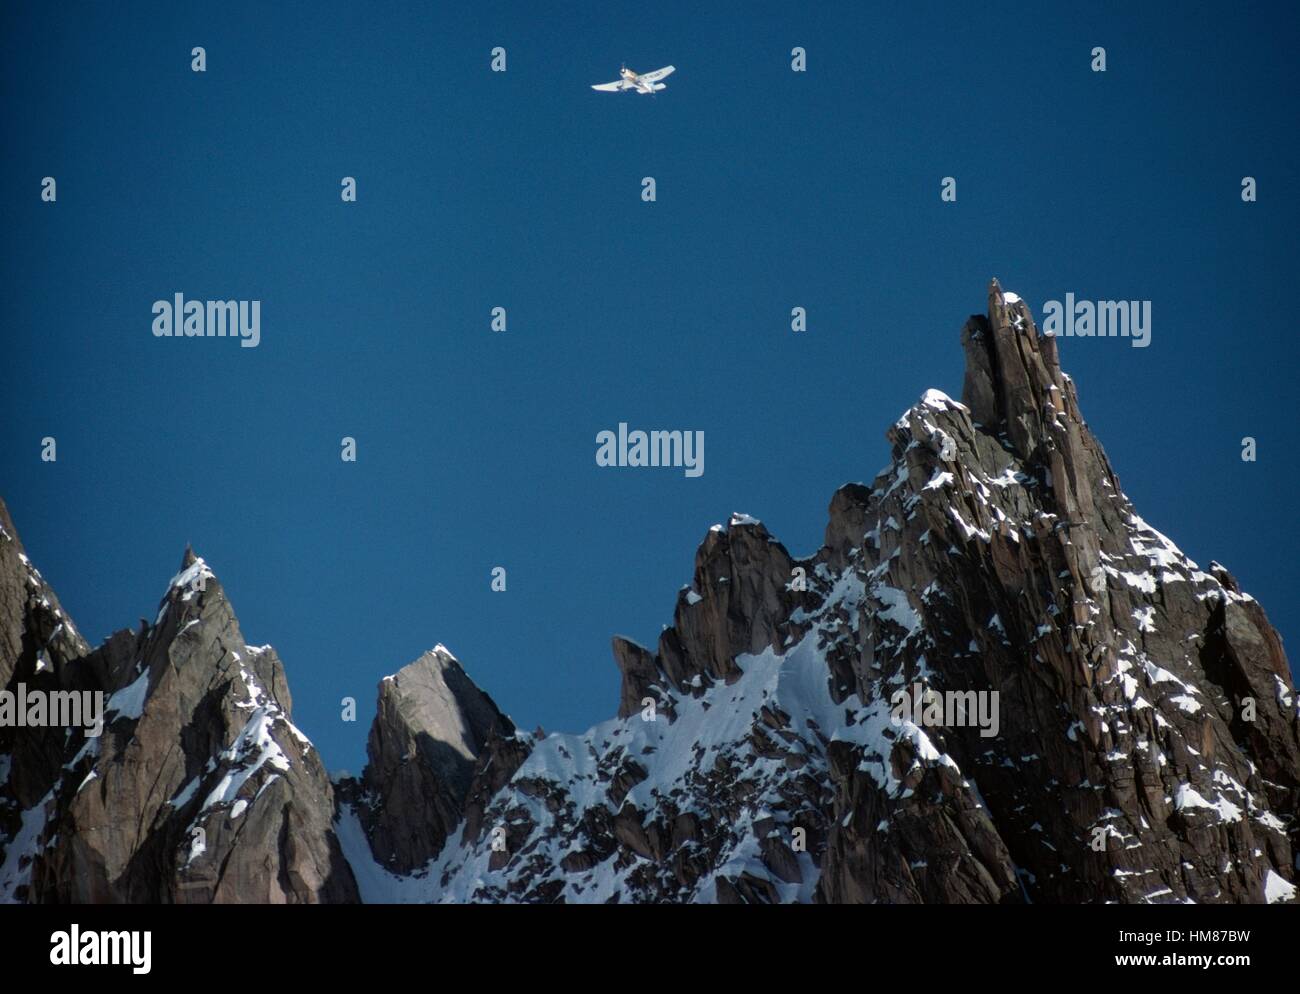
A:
647, 82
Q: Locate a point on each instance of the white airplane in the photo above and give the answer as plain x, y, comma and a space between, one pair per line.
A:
647, 82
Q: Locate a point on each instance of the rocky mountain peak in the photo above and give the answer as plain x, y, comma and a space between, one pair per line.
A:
431, 725
434, 697
199, 789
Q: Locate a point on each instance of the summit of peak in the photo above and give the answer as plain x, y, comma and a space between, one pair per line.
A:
432, 664
940, 401
193, 568
997, 291
1013, 373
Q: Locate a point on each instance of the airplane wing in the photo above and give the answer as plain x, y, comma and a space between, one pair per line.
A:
658, 74
613, 87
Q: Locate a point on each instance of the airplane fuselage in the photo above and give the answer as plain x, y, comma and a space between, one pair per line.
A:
635, 80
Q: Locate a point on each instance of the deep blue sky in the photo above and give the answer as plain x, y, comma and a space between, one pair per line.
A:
522, 189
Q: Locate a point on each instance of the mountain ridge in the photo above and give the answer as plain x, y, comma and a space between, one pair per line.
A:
754, 756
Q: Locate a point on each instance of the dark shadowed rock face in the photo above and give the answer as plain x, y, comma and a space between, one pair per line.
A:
1145, 748
35, 635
